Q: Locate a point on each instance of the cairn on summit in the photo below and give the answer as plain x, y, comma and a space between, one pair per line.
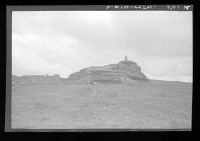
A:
123, 71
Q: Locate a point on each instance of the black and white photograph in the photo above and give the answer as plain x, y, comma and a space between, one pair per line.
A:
106, 69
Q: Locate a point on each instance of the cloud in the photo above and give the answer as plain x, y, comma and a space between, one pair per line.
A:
63, 42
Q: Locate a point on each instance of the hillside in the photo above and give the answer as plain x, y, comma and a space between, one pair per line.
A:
156, 104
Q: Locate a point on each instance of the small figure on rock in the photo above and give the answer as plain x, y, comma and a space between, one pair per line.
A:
126, 58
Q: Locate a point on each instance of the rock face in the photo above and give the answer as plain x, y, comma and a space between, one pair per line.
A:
114, 73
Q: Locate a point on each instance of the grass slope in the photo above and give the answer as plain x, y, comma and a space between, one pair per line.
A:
153, 105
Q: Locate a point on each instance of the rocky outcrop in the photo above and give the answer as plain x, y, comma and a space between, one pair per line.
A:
36, 79
124, 71
113, 73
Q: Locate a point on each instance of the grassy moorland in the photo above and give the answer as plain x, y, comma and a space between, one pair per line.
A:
153, 105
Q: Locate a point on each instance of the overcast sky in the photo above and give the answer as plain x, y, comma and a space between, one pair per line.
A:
63, 42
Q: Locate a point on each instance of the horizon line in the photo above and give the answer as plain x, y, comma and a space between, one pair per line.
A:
68, 77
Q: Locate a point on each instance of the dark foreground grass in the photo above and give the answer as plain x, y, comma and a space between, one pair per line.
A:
153, 105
